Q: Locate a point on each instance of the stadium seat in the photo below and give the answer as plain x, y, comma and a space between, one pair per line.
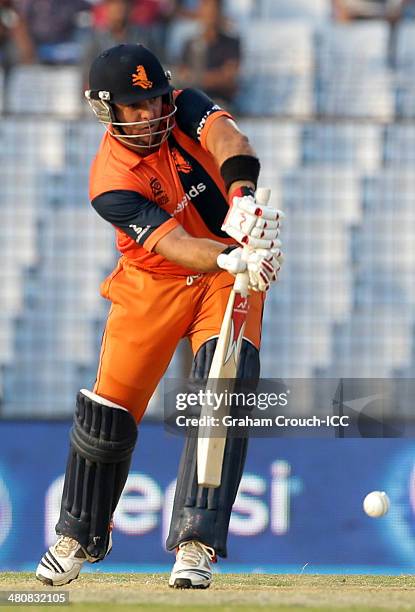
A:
399, 146
405, 70
68, 187
81, 141
44, 90
47, 390
383, 285
297, 345
18, 232
386, 241
315, 240
332, 191
44, 148
58, 325
265, 137
7, 353
242, 11
343, 144
2, 90
316, 10
81, 242
353, 77
373, 343
405, 47
179, 32
11, 286
324, 291
276, 71
390, 191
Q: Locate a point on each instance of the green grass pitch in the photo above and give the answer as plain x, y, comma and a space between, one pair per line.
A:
231, 592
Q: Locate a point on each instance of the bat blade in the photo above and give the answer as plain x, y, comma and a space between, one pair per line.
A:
222, 374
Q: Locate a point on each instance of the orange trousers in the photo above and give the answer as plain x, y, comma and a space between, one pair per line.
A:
149, 315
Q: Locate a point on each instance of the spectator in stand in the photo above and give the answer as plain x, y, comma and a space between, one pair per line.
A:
210, 60
15, 43
187, 8
114, 25
350, 10
53, 26
150, 17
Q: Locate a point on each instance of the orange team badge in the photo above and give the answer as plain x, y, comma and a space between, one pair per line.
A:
181, 163
140, 78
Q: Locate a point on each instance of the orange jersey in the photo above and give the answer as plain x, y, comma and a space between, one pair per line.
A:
180, 184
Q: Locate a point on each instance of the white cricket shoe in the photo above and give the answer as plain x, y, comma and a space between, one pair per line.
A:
192, 569
62, 562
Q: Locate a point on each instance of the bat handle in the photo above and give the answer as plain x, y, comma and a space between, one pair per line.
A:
262, 196
241, 281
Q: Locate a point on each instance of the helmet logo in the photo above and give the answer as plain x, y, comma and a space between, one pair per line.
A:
180, 162
140, 78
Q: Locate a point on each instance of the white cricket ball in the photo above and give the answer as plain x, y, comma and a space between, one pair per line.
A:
376, 504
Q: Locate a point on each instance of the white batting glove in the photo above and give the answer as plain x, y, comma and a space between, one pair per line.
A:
262, 265
251, 224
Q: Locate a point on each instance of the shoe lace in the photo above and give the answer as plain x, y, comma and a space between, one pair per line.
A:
65, 545
192, 552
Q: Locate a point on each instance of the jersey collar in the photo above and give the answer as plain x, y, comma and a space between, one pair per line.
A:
129, 157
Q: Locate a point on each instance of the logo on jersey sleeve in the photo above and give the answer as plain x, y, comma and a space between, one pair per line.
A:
205, 117
140, 231
140, 78
182, 164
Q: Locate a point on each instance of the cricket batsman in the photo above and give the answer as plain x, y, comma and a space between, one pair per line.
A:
176, 178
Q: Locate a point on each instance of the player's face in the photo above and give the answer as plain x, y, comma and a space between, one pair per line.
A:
140, 115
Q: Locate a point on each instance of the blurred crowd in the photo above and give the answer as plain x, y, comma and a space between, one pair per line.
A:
194, 38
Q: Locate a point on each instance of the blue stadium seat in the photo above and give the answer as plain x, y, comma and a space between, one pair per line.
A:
7, 352
276, 71
343, 144
81, 141
242, 11
331, 191
2, 90
323, 290
405, 70
390, 191
180, 31
279, 143
379, 285
57, 338
316, 10
373, 343
353, 77
399, 146
44, 89
295, 343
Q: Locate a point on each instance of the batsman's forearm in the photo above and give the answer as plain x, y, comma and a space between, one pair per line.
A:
198, 254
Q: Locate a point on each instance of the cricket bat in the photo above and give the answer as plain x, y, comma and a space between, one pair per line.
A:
222, 374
